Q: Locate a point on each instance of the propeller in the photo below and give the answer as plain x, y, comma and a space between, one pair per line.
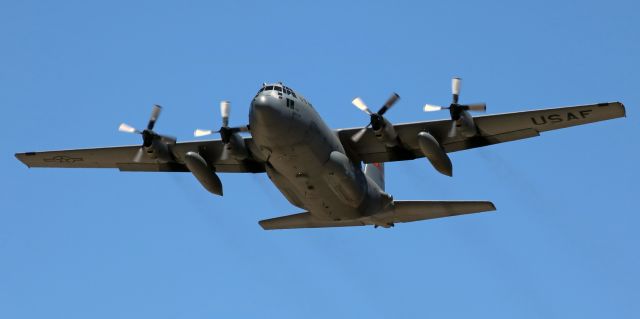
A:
456, 109
377, 121
225, 131
148, 135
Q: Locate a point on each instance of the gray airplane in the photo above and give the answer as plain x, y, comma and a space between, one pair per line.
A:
318, 169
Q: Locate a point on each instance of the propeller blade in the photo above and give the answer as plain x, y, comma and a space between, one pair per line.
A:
432, 108
455, 89
390, 102
199, 132
155, 113
225, 153
126, 128
138, 156
478, 107
225, 110
360, 104
453, 130
356, 137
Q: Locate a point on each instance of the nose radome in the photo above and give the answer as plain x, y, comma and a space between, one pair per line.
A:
271, 120
263, 103
268, 110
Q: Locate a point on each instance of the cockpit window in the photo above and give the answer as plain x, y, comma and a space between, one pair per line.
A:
268, 88
289, 91
262, 89
277, 88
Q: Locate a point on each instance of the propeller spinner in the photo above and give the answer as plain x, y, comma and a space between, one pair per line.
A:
377, 120
456, 110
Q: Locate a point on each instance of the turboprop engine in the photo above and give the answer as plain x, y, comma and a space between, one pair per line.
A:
154, 145
461, 120
233, 142
381, 127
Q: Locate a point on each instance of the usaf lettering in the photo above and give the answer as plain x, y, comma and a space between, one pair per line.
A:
557, 118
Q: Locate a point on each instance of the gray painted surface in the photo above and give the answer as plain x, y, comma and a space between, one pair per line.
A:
319, 169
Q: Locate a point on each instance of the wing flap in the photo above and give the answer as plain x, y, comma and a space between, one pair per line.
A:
485, 140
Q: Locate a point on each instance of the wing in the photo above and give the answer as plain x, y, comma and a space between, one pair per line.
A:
493, 129
121, 157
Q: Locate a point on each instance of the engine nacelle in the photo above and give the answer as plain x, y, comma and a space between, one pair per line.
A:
468, 125
203, 173
342, 179
385, 133
237, 148
434, 153
159, 150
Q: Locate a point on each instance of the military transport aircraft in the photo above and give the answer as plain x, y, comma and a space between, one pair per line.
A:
319, 169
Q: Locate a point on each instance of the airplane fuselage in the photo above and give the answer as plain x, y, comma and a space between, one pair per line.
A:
307, 162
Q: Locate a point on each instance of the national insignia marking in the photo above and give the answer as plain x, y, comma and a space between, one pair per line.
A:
558, 118
63, 159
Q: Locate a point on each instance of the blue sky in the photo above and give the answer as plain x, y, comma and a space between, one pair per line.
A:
105, 244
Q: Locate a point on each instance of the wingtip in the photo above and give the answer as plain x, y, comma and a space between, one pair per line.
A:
624, 110
615, 104
20, 157
264, 224
622, 107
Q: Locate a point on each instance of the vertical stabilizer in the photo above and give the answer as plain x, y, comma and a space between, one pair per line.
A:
375, 171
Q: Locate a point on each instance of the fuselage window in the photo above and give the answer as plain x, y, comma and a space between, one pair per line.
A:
290, 103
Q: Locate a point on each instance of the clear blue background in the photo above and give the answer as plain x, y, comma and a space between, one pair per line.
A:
105, 244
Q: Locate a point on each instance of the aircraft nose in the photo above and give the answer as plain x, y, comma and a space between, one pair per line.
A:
263, 105
267, 110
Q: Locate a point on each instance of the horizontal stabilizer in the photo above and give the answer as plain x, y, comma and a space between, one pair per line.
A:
414, 210
305, 220
402, 212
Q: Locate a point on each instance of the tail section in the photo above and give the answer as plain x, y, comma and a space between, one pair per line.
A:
375, 171
401, 212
